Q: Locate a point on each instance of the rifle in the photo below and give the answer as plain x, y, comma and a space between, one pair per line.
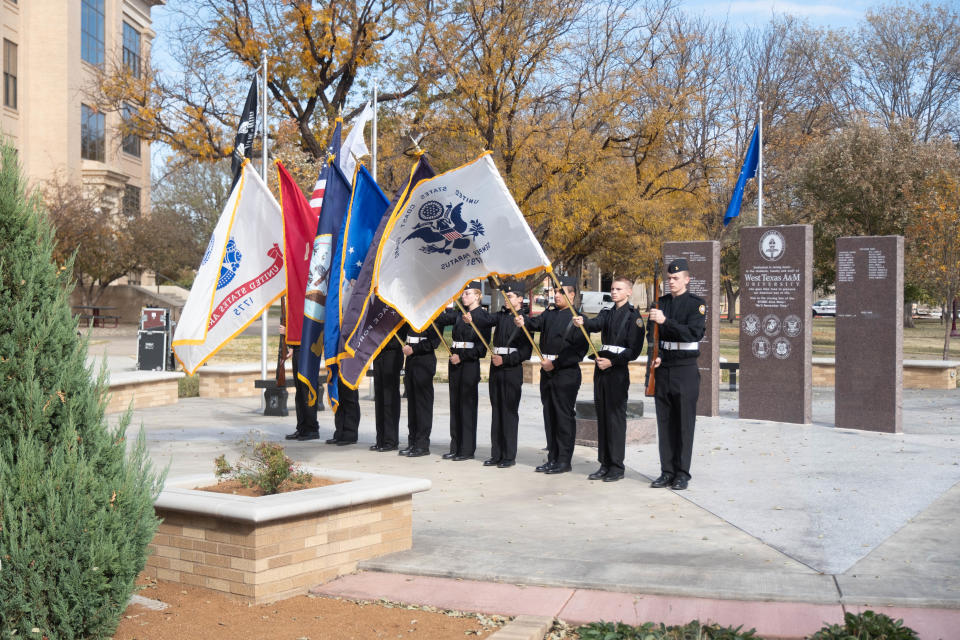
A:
282, 348
654, 352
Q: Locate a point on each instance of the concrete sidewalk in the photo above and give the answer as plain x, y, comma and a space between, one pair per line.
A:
776, 513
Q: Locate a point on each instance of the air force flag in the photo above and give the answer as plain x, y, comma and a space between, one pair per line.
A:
241, 274
453, 228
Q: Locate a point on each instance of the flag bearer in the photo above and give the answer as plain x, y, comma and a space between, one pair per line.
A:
386, 395
420, 367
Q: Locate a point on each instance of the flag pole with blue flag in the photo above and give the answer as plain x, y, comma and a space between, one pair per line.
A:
332, 196
748, 171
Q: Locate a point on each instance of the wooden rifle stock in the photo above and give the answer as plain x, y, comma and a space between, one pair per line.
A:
282, 348
654, 352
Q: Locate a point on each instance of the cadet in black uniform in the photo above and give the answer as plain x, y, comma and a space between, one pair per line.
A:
346, 420
420, 367
464, 372
621, 330
563, 347
307, 426
682, 319
510, 349
386, 395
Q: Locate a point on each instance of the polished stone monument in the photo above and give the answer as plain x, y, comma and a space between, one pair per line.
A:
704, 261
775, 331
869, 357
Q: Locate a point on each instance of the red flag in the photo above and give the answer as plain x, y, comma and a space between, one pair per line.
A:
299, 230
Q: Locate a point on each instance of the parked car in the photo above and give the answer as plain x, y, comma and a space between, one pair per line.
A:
593, 302
824, 307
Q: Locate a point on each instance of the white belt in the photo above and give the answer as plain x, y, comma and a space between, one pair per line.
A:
462, 345
502, 351
549, 357
613, 349
680, 346
412, 340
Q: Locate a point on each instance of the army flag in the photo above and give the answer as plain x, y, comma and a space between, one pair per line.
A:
367, 206
246, 130
367, 322
299, 231
241, 274
336, 199
453, 228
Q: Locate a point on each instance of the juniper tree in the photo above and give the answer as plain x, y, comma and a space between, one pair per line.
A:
76, 508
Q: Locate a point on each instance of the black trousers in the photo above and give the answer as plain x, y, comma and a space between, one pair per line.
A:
386, 396
418, 382
505, 387
558, 392
347, 419
676, 400
610, 389
306, 415
464, 378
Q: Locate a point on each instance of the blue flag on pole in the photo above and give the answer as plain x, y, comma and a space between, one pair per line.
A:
367, 206
748, 171
332, 196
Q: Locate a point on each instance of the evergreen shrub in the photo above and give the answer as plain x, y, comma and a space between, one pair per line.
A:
76, 508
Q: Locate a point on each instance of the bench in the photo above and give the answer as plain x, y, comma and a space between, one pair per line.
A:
100, 320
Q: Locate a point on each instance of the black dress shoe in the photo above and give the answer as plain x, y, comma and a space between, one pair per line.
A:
559, 468
546, 466
332, 441
679, 484
384, 449
449, 455
503, 464
416, 453
461, 458
292, 436
308, 436
374, 447
404, 451
491, 462
664, 480
613, 477
343, 443
598, 474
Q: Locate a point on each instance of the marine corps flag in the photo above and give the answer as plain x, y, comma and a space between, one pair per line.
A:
459, 226
241, 274
299, 232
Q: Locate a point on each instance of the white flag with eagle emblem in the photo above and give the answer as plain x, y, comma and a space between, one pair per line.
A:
451, 229
242, 273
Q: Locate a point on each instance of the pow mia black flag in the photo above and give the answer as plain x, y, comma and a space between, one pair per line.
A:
243, 142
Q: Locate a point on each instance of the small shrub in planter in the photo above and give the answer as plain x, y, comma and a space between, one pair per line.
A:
76, 509
267, 467
866, 626
650, 631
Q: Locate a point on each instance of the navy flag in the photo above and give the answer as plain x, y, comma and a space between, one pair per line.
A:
367, 323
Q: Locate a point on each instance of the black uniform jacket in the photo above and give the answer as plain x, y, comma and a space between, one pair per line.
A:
429, 339
618, 327
463, 332
686, 322
507, 335
559, 336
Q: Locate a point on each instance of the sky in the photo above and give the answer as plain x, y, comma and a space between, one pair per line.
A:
757, 12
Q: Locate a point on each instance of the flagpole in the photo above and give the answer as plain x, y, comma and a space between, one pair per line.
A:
760, 172
442, 340
263, 173
373, 134
536, 349
574, 312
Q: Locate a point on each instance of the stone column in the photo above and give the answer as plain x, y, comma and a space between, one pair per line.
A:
776, 267
704, 260
869, 356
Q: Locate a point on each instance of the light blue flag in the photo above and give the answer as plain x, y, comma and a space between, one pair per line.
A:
367, 206
748, 171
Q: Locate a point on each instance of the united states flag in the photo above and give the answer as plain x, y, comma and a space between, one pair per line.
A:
451, 234
333, 149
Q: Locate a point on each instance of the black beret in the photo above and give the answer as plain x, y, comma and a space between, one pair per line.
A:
568, 281
510, 286
680, 264
474, 284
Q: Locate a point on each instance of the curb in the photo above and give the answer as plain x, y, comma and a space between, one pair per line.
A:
524, 628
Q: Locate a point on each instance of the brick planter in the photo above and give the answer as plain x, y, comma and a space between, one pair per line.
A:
274, 547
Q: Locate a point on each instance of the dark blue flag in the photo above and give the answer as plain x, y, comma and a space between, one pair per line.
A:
367, 207
748, 171
332, 196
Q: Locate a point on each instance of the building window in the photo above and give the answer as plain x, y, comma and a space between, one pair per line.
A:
9, 74
131, 49
92, 134
91, 31
131, 201
131, 141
